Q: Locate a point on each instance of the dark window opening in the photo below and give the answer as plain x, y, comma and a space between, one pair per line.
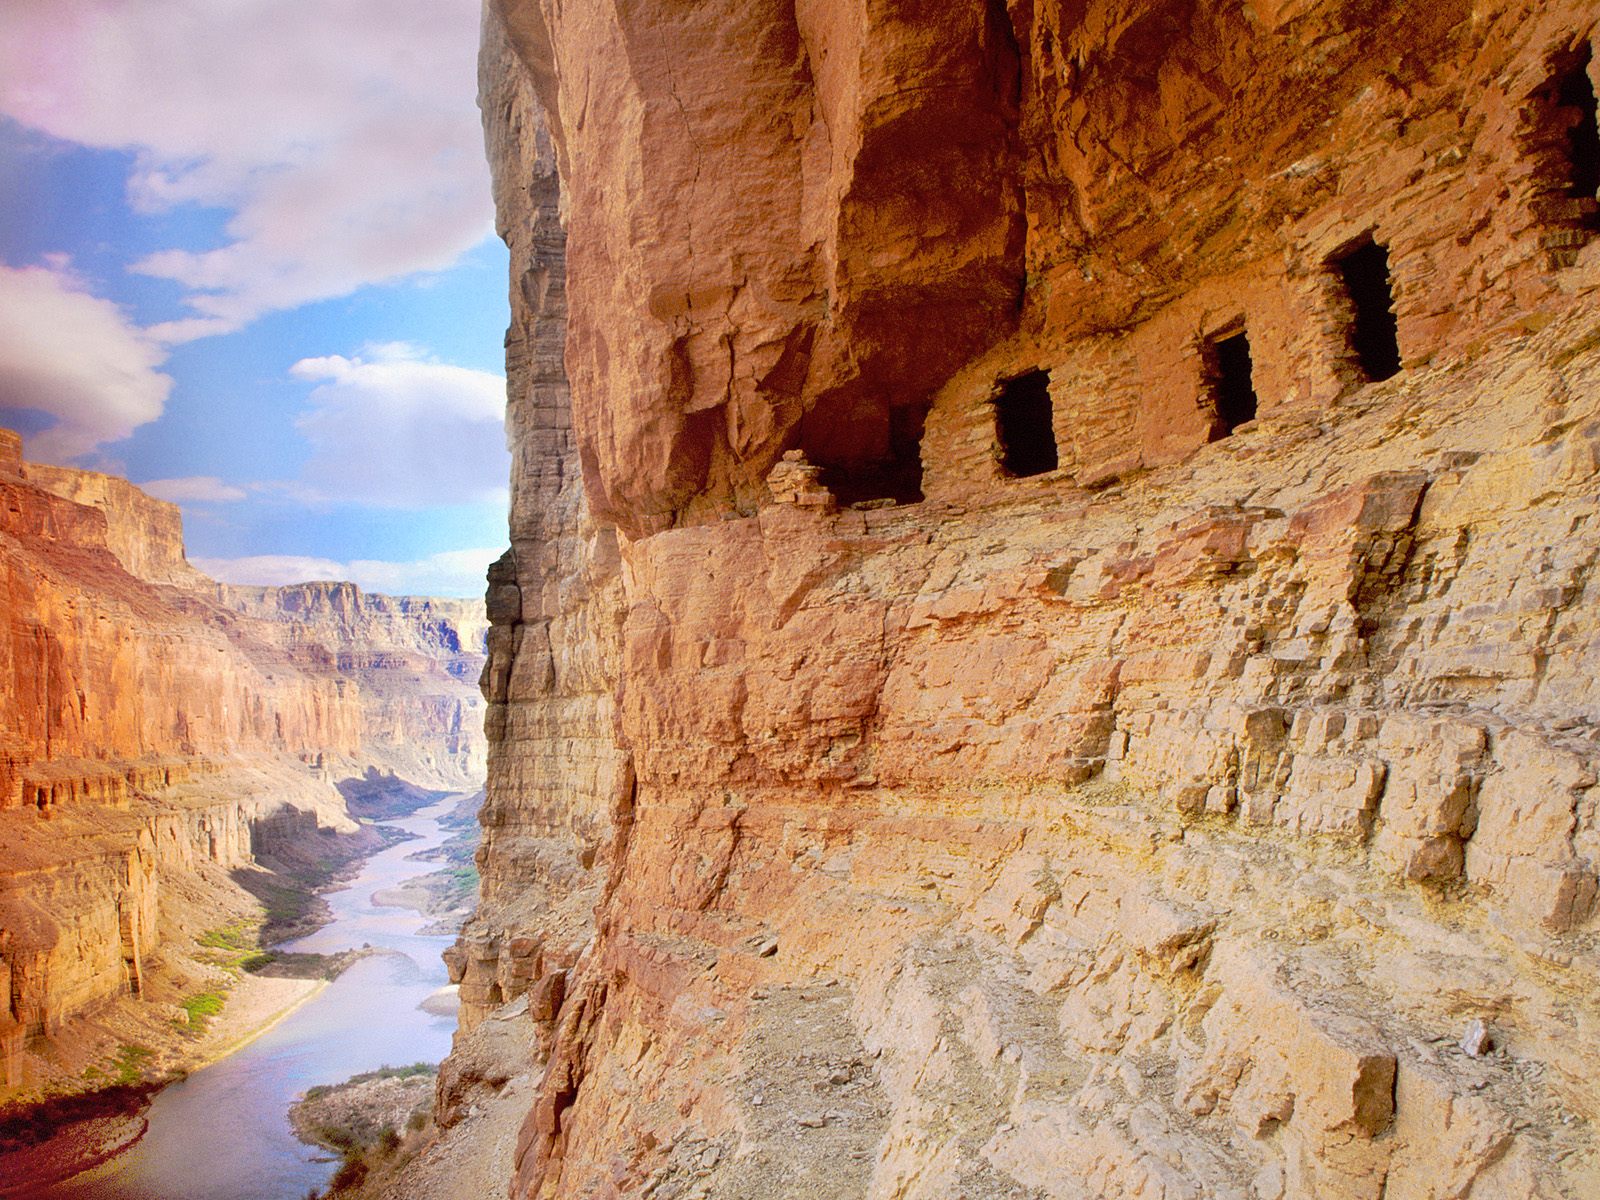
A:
1231, 386
895, 478
1025, 424
1375, 335
1575, 90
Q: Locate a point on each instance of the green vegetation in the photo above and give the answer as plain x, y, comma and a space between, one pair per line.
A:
201, 1007
129, 1064
352, 1173
359, 1161
235, 947
237, 935
288, 905
300, 964
370, 1154
383, 1072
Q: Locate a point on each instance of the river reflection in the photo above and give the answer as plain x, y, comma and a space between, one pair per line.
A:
223, 1133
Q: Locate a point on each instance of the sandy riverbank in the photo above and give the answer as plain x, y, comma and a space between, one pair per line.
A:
96, 1127
255, 1005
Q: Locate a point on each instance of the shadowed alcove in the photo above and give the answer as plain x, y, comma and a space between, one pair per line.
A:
1024, 419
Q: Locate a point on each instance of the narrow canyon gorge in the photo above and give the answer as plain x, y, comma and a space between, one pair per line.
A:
1049, 643
1049, 647
176, 756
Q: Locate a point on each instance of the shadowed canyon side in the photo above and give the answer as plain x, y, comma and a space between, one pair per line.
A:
1050, 648
162, 733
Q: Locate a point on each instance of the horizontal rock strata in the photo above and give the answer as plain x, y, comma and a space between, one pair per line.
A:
158, 726
1052, 634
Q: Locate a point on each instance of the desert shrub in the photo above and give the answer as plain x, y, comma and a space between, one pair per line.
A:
350, 1175
128, 1066
201, 1007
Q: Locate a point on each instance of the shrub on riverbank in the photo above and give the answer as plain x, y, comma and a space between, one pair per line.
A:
377, 1121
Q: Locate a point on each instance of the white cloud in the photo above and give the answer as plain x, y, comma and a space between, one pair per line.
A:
341, 135
193, 489
395, 429
452, 573
77, 358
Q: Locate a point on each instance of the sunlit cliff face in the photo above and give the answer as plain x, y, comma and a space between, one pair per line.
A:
921, 192
1157, 801
160, 729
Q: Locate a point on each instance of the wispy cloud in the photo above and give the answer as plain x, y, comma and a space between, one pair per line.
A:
78, 359
452, 573
346, 146
194, 489
393, 428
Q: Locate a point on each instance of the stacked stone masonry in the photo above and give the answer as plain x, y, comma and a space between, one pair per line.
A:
1152, 825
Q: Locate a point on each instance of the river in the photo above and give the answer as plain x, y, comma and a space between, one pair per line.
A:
223, 1133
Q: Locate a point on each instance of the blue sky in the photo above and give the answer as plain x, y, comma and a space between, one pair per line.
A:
246, 259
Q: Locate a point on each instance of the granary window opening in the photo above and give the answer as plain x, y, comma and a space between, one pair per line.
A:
1575, 91
1232, 387
1024, 420
869, 457
1374, 334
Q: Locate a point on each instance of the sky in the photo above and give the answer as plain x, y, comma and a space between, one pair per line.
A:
247, 261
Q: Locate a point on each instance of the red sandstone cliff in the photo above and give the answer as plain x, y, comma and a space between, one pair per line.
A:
1143, 791
159, 729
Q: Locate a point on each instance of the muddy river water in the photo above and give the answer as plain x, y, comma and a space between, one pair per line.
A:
223, 1133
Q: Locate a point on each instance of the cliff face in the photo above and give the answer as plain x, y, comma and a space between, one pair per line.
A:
145, 534
415, 661
158, 729
1189, 732
560, 782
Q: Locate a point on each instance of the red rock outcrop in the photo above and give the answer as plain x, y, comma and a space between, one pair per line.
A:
158, 727
560, 783
145, 534
1151, 806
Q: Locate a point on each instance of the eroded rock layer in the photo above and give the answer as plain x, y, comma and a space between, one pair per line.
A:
158, 730
1072, 669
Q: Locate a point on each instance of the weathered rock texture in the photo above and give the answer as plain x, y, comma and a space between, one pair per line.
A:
414, 659
1153, 825
562, 785
156, 725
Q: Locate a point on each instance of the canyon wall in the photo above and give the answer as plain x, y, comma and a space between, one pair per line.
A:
415, 661
560, 782
158, 729
1053, 630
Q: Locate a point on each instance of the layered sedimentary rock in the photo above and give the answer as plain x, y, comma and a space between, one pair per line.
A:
414, 659
157, 727
1080, 617
145, 534
561, 783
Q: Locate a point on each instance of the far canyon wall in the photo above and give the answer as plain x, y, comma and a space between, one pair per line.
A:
157, 724
1049, 646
